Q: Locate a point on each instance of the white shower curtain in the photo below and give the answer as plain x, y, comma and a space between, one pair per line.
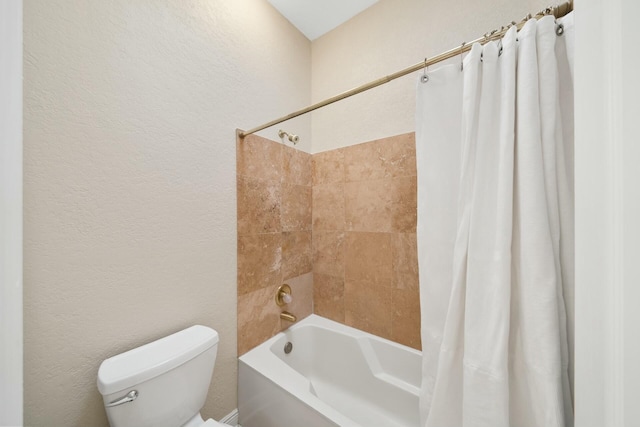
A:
495, 232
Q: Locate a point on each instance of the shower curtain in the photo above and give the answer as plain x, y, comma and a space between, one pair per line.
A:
495, 232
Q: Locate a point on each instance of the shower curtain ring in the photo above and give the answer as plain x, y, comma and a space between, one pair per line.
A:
461, 51
425, 77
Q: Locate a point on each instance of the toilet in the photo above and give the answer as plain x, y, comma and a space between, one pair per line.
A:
163, 383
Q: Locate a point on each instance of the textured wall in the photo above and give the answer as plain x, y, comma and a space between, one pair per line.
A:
365, 266
387, 37
130, 188
274, 237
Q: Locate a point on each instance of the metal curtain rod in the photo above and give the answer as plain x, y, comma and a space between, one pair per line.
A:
558, 11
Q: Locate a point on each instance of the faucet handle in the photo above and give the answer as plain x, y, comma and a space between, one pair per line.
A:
283, 295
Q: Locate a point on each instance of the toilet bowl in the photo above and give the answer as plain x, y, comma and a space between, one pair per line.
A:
163, 383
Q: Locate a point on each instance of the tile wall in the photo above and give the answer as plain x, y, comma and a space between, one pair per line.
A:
274, 236
364, 238
339, 227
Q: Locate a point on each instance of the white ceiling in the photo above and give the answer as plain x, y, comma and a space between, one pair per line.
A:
316, 17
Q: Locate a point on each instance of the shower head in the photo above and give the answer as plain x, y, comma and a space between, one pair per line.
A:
292, 138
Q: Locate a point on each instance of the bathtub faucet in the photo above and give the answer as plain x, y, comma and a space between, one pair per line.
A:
285, 315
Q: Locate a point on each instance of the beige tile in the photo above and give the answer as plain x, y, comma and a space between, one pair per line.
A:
328, 296
328, 167
259, 157
296, 167
404, 204
406, 317
369, 205
368, 257
328, 207
296, 208
258, 318
302, 294
259, 315
259, 261
404, 254
366, 277
368, 306
297, 255
328, 253
258, 205
384, 158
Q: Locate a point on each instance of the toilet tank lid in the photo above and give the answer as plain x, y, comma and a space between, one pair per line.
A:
150, 360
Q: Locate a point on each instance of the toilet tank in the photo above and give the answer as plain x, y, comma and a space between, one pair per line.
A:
169, 378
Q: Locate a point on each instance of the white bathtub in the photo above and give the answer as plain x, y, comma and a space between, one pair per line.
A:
334, 376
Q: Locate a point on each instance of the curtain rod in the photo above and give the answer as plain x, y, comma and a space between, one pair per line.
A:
558, 11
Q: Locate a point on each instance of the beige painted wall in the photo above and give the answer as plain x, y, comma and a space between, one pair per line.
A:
390, 36
130, 202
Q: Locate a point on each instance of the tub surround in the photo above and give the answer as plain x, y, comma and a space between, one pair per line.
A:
274, 236
349, 217
364, 238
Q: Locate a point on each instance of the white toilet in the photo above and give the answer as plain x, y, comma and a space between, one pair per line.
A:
163, 383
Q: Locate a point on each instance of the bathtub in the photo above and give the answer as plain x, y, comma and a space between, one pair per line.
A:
334, 376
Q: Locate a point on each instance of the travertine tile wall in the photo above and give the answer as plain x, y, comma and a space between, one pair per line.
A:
365, 267
360, 204
274, 236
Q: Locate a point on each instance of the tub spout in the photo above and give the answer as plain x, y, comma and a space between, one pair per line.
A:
285, 315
